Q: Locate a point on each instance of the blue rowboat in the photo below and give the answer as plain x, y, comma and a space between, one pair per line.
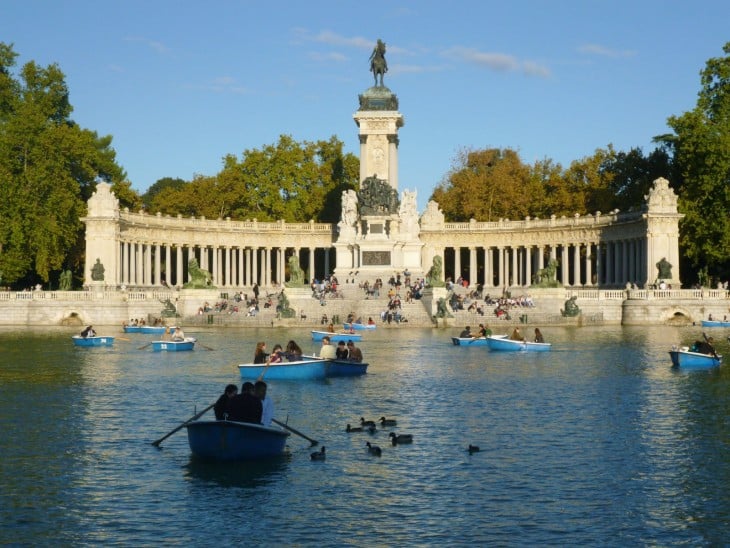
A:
683, 358
469, 341
319, 335
714, 323
147, 329
174, 346
92, 341
228, 440
308, 368
344, 368
503, 344
358, 326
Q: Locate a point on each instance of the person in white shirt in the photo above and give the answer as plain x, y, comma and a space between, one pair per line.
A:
266, 402
327, 351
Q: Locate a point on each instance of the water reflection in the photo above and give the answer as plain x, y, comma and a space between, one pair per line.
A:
248, 475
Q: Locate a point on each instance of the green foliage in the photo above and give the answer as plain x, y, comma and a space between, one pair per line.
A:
491, 184
701, 147
48, 167
166, 182
288, 180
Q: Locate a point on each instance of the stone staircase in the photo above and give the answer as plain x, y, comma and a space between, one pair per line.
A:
309, 312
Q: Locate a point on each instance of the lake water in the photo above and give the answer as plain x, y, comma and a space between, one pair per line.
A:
599, 442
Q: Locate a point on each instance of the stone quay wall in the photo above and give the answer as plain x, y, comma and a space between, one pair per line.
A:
113, 307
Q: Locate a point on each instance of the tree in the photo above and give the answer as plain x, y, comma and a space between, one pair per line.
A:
486, 185
48, 168
161, 184
701, 148
288, 180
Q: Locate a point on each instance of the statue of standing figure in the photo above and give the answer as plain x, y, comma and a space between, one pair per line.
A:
65, 280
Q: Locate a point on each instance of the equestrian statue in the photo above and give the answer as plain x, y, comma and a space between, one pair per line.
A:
378, 64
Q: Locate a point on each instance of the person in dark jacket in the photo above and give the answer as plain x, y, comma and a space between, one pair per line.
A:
221, 406
245, 407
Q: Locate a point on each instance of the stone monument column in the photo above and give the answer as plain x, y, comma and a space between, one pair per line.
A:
102, 238
662, 234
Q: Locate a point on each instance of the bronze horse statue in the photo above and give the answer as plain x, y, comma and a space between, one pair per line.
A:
378, 65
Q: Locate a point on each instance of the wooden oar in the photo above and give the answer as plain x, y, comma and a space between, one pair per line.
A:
123, 339
157, 443
144, 346
204, 346
294, 431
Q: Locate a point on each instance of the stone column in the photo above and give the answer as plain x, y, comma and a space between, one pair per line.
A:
457, 263
589, 266
363, 166
473, 280
576, 264
240, 281
168, 265
513, 280
393, 163
137, 264
148, 264
565, 266
215, 267
311, 265
255, 267
179, 260
266, 265
488, 277
251, 266
125, 263
500, 267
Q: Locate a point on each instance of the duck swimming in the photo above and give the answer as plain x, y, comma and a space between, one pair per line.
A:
363, 422
374, 449
473, 449
318, 455
401, 438
388, 422
351, 429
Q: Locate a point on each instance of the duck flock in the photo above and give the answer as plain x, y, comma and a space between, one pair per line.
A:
371, 427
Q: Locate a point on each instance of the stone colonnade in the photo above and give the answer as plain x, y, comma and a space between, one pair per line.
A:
157, 264
599, 250
579, 264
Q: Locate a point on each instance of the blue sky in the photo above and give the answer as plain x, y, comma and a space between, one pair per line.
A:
180, 84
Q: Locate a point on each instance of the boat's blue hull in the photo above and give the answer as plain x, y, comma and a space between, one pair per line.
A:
469, 341
227, 440
319, 335
92, 341
358, 326
503, 344
714, 323
306, 369
173, 346
343, 368
146, 329
694, 360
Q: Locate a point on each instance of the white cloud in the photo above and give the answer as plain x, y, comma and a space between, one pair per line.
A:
159, 47
501, 62
597, 49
